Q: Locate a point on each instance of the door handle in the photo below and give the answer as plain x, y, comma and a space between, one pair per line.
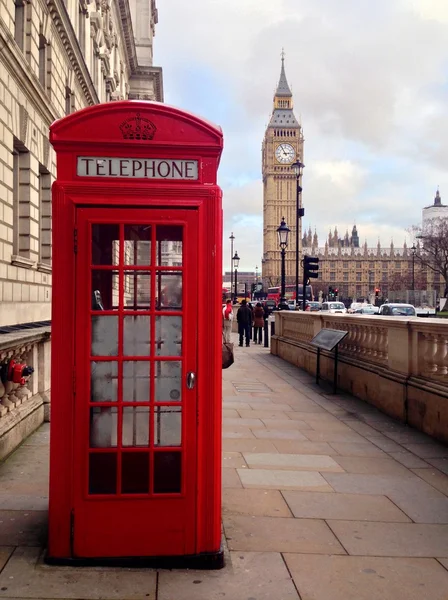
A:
191, 380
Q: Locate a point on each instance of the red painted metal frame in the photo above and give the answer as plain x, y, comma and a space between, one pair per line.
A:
95, 132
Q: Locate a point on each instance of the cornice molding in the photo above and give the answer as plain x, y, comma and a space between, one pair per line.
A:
61, 19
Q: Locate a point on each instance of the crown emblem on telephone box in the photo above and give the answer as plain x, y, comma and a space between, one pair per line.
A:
137, 128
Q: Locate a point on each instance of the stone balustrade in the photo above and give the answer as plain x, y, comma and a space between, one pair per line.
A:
24, 407
400, 365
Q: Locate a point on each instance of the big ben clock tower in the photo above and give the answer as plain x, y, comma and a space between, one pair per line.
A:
282, 145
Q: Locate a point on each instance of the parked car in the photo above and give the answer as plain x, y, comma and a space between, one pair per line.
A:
354, 306
398, 310
270, 305
313, 306
365, 310
333, 307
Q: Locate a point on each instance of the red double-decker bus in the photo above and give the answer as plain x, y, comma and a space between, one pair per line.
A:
274, 293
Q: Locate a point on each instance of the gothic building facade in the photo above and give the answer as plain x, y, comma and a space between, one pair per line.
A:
282, 146
57, 56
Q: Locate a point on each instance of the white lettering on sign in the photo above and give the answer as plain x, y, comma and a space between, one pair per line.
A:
141, 168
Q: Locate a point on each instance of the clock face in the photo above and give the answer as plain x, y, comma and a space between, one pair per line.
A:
285, 153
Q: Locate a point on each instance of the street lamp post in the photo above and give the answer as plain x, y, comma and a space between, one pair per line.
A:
300, 212
231, 238
414, 250
283, 233
236, 262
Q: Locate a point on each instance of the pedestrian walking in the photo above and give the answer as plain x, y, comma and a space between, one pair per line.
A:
227, 318
258, 323
244, 318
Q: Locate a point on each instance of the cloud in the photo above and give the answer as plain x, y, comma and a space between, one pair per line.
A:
370, 87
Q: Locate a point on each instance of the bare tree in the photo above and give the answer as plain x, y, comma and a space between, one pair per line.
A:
433, 247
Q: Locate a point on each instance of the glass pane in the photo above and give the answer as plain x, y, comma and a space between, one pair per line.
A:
103, 473
169, 245
103, 381
103, 427
168, 291
168, 381
135, 426
167, 426
167, 472
136, 381
134, 473
136, 336
137, 244
136, 290
168, 336
104, 290
104, 335
105, 244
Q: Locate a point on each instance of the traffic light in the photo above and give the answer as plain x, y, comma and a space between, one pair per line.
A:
310, 268
330, 292
336, 292
377, 292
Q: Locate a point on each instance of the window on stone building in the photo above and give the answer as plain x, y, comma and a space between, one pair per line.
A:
19, 23
44, 216
21, 201
332, 265
332, 276
398, 264
358, 291
384, 265
345, 275
358, 264
345, 265
358, 276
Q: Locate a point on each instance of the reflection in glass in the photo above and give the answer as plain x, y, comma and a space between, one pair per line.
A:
169, 245
134, 473
104, 290
168, 336
136, 336
104, 335
137, 244
167, 426
137, 290
105, 244
168, 290
136, 381
103, 473
168, 382
167, 472
135, 426
103, 426
103, 381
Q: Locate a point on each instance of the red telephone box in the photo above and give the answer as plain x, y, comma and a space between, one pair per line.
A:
135, 460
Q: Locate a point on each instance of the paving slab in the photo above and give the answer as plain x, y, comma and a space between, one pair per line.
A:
279, 434
230, 413
361, 427
422, 508
230, 479
334, 436
297, 447
439, 463
250, 423
25, 576
435, 478
286, 424
248, 445
246, 534
384, 443
367, 578
358, 449
251, 576
353, 483
232, 404
237, 433
392, 539
372, 466
233, 460
23, 528
268, 406
296, 462
409, 460
351, 507
5, 553
261, 503
283, 480
263, 414
431, 450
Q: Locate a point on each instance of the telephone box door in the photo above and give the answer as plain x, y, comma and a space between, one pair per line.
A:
135, 459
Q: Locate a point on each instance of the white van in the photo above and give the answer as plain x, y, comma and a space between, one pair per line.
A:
333, 307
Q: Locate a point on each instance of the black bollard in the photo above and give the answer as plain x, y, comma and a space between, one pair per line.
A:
273, 328
266, 331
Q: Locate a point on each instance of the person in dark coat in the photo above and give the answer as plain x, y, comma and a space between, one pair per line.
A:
244, 319
258, 323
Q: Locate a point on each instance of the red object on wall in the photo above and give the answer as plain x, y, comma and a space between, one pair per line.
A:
135, 453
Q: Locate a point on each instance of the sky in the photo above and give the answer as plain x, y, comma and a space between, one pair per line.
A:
370, 86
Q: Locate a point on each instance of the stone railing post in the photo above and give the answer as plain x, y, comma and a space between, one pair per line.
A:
399, 340
44, 375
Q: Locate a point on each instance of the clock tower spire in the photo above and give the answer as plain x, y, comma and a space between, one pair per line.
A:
282, 145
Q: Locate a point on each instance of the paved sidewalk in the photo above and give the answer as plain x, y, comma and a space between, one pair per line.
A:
324, 498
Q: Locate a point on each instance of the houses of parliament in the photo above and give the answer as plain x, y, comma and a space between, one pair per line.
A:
354, 269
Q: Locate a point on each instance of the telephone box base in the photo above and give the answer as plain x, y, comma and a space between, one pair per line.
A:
205, 562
